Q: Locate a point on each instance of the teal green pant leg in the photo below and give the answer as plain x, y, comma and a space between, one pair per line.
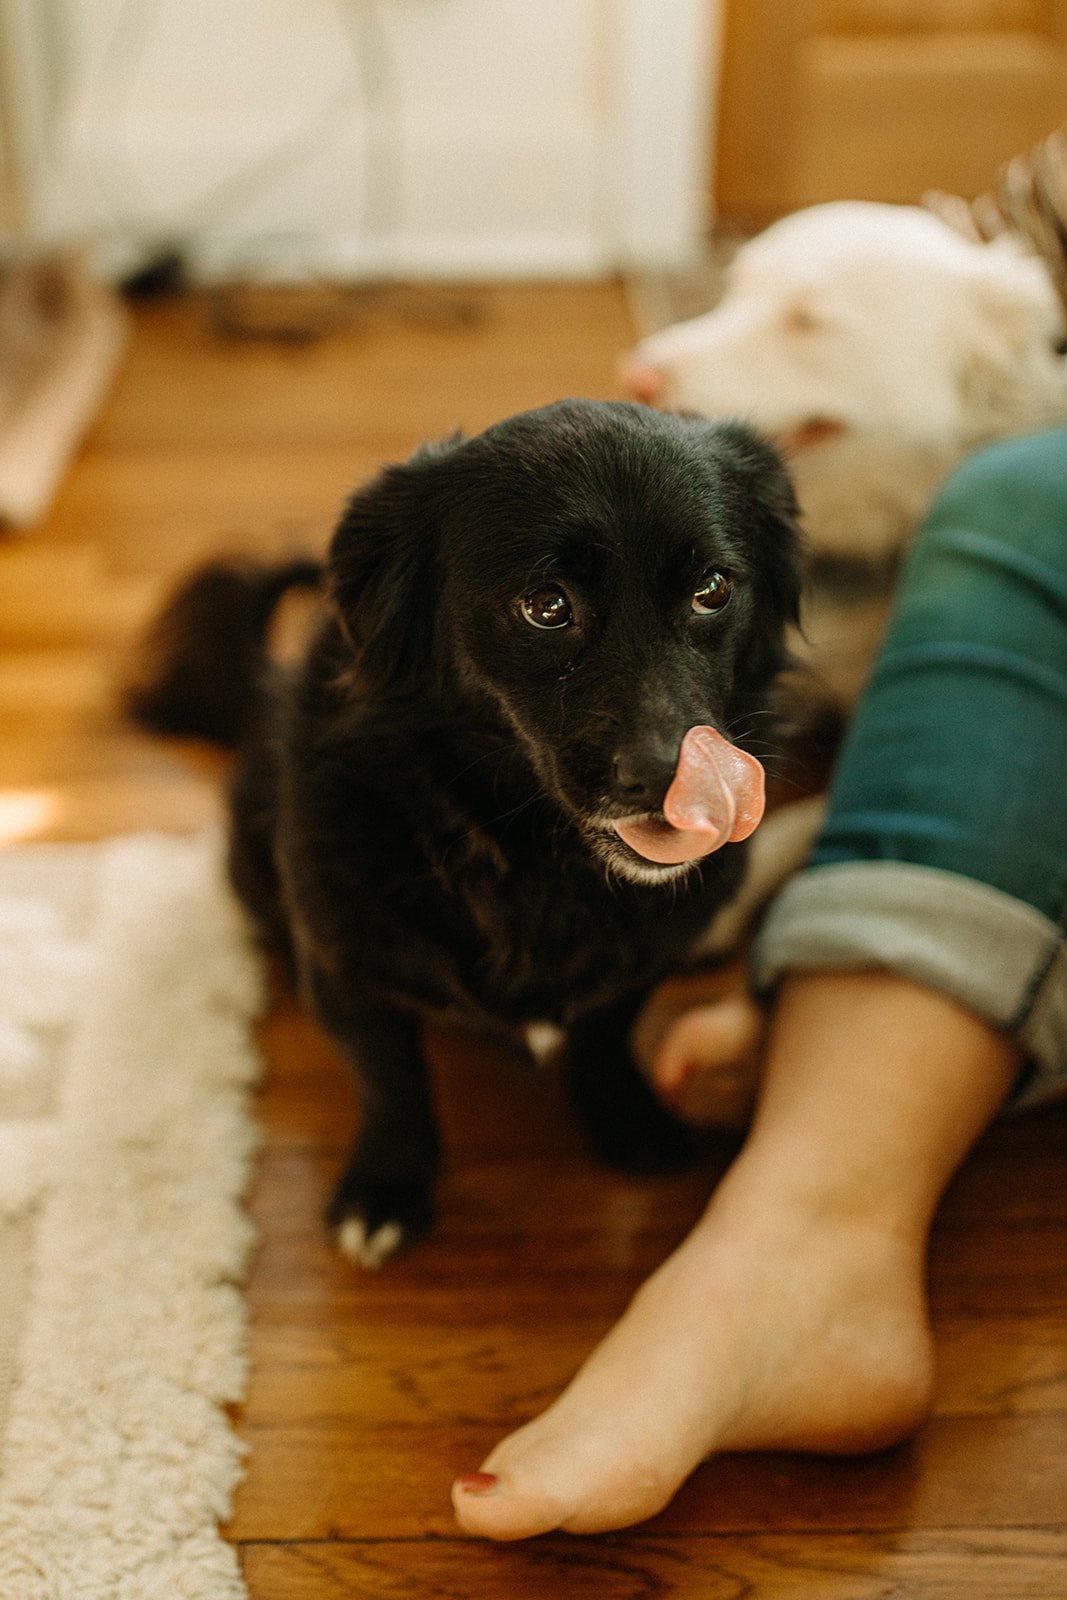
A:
958, 756
944, 854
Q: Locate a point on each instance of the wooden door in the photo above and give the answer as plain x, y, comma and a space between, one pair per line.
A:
10, 197
880, 99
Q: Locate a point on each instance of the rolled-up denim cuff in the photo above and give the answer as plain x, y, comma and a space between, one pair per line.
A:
996, 955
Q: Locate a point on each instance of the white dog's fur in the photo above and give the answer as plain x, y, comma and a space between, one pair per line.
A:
879, 347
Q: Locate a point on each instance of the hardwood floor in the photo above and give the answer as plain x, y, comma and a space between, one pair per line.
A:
368, 1392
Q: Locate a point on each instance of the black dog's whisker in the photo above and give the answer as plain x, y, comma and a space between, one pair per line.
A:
503, 753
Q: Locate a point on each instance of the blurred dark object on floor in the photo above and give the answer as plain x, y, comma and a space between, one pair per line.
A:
303, 314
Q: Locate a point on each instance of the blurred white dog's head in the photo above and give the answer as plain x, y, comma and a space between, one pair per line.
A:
877, 346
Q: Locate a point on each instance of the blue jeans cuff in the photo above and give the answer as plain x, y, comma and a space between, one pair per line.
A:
996, 955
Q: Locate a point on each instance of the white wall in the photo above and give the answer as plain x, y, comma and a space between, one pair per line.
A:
437, 137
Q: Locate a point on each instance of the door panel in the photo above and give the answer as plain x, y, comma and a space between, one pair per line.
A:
881, 99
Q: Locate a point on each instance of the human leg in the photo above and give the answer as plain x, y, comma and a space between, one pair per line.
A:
793, 1314
943, 854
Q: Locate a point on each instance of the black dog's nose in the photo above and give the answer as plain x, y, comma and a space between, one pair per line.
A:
643, 775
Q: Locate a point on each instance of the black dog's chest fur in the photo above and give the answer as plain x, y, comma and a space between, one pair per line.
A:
487, 907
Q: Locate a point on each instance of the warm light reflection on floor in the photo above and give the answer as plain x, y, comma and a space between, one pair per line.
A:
25, 812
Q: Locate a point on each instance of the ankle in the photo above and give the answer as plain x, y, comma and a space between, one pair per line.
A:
840, 1293
794, 1203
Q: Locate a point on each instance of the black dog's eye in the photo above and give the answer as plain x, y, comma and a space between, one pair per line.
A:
714, 592
546, 608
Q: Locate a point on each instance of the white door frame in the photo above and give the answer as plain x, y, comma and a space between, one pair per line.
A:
660, 86
665, 87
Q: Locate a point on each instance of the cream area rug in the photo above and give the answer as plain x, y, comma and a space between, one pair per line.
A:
127, 987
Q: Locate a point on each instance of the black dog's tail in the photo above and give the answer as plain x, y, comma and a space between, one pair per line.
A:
203, 658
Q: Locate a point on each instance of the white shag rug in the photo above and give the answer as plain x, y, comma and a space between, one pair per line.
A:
127, 988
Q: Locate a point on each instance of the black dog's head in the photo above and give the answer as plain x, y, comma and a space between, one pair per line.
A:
599, 576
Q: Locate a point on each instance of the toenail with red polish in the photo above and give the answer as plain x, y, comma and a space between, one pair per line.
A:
477, 1482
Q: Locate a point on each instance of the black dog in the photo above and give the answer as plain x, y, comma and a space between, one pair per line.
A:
455, 806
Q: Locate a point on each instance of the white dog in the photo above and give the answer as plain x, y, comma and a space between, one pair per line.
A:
879, 347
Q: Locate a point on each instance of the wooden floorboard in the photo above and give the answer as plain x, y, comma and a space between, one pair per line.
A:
368, 1392
1003, 1565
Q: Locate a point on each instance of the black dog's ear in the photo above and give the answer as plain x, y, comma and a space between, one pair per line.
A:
382, 567
759, 474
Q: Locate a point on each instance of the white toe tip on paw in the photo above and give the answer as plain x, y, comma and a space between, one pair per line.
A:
543, 1039
369, 1249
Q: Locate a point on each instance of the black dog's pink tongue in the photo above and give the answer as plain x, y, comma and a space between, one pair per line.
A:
715, 798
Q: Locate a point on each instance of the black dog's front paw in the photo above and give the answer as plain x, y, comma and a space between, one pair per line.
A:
624, 1122
373, 1217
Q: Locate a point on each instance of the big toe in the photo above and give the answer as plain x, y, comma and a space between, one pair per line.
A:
505, 1506
706, 1065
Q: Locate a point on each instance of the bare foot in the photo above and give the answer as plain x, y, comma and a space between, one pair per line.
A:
760, 1332
698, 1042
793, 1316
